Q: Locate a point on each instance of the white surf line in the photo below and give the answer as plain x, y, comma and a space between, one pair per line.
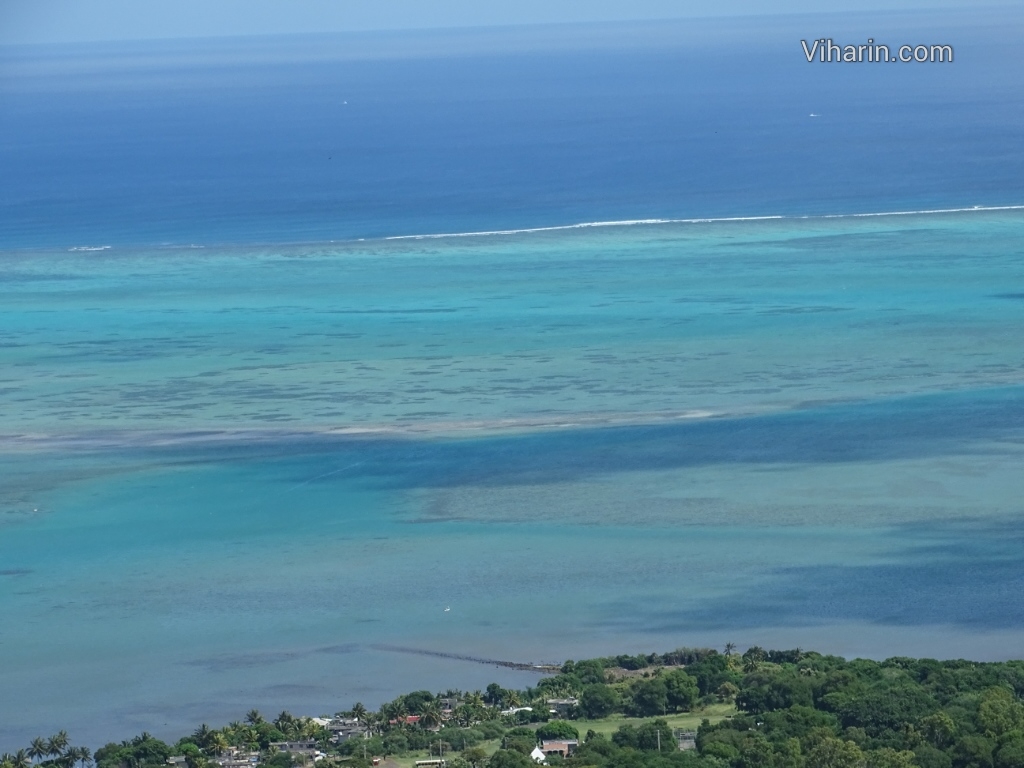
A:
710, 220
581, 225
972, 209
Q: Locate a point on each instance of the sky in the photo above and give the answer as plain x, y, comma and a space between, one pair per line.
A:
66, 21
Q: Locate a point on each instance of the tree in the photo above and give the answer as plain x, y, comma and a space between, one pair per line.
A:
494, 695
253, 717
974, 751
927, 756
430, 715
475, 756
887, 757
285, 723
939, 729
521, 740
395, 743
599, 700
416, 701
466, 714
57, 743
753, 658
279, 760
359, 711
504, 758
999, 712
682, 691
38, 749
729, 649
1011, 754
21, 759
650, 737
217, 743
756, 752
834, 753
788, 754
726, 692
202, 736
767, 690
650, 697
557, 730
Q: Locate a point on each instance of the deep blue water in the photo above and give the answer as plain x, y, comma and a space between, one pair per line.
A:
282, 139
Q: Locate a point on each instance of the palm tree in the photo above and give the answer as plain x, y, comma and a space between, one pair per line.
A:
358, 711
77, 755
253, 717
202, 735
249, 736
308, 729
729, 648
38, 749
57, 743
21, 759
430, 717
373, 722
218, 743
285, 723
465, 715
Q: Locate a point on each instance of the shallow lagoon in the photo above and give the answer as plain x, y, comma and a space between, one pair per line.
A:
256, 477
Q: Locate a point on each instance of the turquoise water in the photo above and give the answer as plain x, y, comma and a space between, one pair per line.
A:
243, 476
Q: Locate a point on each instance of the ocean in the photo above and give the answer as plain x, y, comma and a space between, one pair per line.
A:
280, 431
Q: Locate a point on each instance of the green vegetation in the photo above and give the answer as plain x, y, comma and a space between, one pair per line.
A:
764, 709
54, 752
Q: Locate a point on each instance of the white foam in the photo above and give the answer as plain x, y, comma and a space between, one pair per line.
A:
709, 220
581, 225
90, 248
972, 209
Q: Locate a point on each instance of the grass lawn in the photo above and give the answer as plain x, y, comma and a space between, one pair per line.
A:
687, 720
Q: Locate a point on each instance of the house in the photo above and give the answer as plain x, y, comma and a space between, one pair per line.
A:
548, 748
344, 728
407, 720
516, 710
563, 748
562, 707
686, 739
237, 758
306, 750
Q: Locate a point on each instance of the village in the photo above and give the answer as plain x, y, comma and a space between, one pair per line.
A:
346, 732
